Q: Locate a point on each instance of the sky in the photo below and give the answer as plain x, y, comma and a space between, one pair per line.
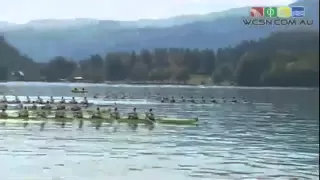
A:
22, 11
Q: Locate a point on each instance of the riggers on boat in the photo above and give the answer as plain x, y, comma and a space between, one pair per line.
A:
79, 90
172, 121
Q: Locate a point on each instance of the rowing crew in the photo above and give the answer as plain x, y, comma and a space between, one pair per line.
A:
192, 100
24, 113
41, 101
123, 96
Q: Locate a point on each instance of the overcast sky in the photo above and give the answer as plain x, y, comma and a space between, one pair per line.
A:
22, 11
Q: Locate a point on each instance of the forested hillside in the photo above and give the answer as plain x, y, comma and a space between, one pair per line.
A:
283, 59
77, 39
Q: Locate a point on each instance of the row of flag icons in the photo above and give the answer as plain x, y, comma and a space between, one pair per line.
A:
278, 12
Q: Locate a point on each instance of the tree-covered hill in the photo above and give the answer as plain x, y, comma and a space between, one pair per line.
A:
288, 58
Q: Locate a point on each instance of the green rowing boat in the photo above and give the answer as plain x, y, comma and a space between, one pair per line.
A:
172, 121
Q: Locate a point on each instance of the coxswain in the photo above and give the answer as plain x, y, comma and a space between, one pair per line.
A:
24, 112
62, 100
115, 114
192, 100
182, 99
73, 101
203, 100
4, 99
172, 100
133, 114
17, 100
3, 114
150, 115
234, 100
97, 113
51, 100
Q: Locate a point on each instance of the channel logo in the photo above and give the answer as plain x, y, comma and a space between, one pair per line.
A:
278, 12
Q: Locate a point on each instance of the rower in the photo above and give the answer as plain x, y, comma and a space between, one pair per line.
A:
28, 100
234, 100
182, 99
133, 114
17, 100
62, 100
24, 112
39, 100
34, 106
85, 101
20, 106
213, 100
4, 99
96, 96
3, 114
73, 101
224, 99
150, 115
244, 100
172, 100
162, 100
192, 100
77, 113
123, 96
115, 114
4, 105
47, 106
203, 100
97, 113
61, 106
60, 113
75, 107
51, 100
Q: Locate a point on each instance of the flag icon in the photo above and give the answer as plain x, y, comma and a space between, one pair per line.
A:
257, 12
284, 12
298, 11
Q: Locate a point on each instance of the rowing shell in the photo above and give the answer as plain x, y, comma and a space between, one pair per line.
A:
38, 120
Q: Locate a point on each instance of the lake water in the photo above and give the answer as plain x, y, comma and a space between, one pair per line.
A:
275, 136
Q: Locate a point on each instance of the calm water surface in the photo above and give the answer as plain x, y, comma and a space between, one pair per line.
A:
276, 136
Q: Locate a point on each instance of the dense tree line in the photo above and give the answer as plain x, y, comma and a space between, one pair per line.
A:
283, 59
